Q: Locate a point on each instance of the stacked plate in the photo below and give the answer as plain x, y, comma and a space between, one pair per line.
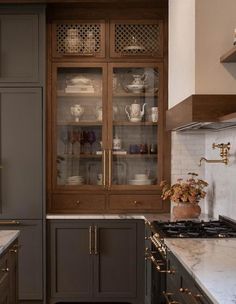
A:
75, 180
140, 180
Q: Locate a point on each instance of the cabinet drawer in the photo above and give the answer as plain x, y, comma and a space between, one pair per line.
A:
74, 202
136, 202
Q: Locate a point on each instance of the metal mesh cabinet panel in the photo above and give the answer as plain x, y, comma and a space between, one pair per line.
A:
75, 38
136, 38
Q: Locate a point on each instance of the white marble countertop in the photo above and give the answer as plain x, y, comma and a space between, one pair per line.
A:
147, 216
212, 263
7, 237
151, 217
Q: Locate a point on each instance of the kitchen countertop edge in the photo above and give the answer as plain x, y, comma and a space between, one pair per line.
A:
7, 237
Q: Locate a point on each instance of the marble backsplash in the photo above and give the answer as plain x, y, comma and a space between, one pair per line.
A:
188, 148
221, 197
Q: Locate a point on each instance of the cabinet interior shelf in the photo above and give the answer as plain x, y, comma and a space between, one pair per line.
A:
229, 56
87, 155
129, 123
64, 94
135, 95
79, 123
147, 155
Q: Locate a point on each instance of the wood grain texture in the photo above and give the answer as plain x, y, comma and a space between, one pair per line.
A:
200, 108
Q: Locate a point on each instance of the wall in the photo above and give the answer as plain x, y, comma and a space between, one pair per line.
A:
214, 22
181, 49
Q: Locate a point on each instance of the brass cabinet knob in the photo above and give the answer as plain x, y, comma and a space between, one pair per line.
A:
77, 202
184, 290
13, 250
5, 269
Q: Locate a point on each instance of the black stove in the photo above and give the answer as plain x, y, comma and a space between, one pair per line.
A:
222, 228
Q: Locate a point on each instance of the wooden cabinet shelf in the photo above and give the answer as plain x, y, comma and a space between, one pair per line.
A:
135, 95
68, 95
79, 123
229, 56
129, 123
135, 155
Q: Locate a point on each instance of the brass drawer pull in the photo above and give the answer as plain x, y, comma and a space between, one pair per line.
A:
13, 250
9, 223
168, 295
5, 269
184, 290
77, 202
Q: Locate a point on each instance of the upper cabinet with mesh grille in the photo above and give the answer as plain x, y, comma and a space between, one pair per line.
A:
136, 38
79, 38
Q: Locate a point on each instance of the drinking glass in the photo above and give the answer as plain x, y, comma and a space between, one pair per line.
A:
91, 138
64, 137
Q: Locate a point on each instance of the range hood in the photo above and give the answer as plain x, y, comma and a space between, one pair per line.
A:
209, 112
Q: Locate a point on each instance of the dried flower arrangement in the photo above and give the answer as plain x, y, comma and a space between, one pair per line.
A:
184, 191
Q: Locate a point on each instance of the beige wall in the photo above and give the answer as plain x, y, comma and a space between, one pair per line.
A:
194, 67
181, 50
215, 23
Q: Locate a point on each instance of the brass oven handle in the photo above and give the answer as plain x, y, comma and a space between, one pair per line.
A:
157, 263
90, 240
167, 295
9, 223
109, 168
95, 240
104, 168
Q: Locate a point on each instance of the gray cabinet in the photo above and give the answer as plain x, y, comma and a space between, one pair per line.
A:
96, 261
21, 45
181, 286
21, 153
30, 257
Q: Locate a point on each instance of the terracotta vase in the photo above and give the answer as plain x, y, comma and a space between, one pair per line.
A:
186, 210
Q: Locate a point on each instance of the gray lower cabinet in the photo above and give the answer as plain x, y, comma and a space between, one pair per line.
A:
21, 153
21, 45
30, 257
100, 260
181, 287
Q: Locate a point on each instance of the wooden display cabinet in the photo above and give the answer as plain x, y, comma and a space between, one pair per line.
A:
107, 148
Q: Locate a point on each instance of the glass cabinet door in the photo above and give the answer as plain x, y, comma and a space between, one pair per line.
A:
136, 101
79, 131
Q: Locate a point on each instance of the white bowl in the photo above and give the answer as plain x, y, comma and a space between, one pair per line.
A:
135, 88
140, 182
140, 176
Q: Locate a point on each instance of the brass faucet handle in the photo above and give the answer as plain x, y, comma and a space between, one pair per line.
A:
221, 146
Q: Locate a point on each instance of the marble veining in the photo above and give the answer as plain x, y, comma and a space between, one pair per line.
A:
212, 263
148, 216
7, 237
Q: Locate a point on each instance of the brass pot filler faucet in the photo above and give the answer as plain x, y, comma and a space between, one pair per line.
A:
224, 153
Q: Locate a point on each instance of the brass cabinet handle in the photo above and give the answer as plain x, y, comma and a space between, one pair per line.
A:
13, 250
104, 168
90, 240
95, 240
77, 202
9, 223
5, 269
168, 295
109, 161
195, 297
